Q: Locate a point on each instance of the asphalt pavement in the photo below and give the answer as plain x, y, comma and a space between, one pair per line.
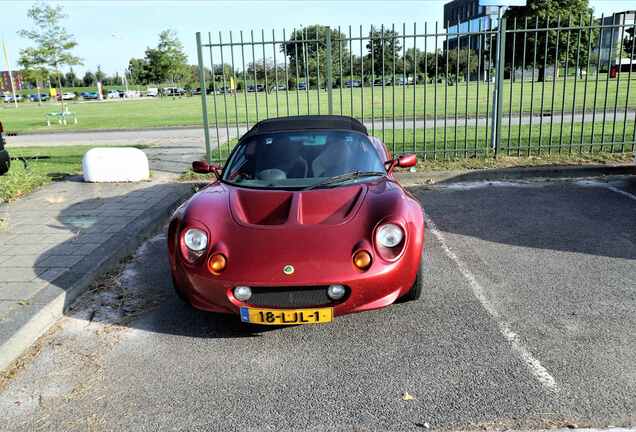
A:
528, 321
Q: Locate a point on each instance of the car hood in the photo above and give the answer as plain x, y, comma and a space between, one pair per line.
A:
282, 209
260, 231
258, 208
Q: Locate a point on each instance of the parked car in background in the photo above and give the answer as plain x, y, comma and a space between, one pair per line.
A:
405, 81
380, 82
66, 96
302, 85
113, 94
353, 83
173, 91
152, 92
255, 88
5, 160
279, 87
35, 97
90, 96
8, 98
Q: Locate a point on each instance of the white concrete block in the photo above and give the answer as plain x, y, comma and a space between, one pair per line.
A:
119, 164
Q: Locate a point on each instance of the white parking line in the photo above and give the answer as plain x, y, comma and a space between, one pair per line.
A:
622, 192
534, 366
596, 183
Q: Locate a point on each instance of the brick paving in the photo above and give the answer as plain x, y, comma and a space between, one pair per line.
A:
47, 233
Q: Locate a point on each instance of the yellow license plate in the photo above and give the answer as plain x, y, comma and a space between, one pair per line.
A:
286, 316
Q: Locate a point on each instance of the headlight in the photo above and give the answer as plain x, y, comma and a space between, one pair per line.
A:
195, 239
389, 235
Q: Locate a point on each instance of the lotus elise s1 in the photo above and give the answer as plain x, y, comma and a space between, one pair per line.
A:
304, 222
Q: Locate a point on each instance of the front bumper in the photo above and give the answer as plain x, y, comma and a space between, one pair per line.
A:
378, 287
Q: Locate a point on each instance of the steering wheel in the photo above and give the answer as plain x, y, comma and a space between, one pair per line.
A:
271, 174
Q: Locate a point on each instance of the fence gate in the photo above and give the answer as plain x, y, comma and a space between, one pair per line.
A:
507, 87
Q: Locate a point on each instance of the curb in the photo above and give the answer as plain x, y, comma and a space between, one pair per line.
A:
527, 173
23, 326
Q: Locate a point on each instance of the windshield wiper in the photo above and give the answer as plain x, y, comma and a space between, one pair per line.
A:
345, 177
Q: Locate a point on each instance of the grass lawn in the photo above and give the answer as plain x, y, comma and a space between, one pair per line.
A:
517, 140
421, 101
19, 181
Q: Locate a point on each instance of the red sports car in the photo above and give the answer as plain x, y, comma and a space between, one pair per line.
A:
304, 222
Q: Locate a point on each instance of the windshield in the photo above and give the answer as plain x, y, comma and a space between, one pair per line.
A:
303, 159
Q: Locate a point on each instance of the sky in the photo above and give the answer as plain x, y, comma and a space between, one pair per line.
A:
110, 32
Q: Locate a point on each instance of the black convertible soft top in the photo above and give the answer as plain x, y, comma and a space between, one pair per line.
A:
314, 122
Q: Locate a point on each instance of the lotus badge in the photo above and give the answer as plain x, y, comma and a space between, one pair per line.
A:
288, 269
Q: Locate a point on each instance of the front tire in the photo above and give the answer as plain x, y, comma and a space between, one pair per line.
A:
179, 293
5, 161
416, 290
418, 286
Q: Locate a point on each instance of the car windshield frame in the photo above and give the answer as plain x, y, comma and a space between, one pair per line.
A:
373, 161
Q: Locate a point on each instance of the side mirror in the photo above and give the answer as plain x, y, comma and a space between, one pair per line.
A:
407, 160
402, 161
202, 167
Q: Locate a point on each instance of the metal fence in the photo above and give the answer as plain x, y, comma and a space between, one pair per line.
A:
517, 87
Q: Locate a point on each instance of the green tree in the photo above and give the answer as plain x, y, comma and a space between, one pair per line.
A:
259, 69
385, 49
53, 44
70, 78
99, 75
465, 58
168, 61
547, 13
412, 59
89, 79
138, 70
311, 56
192, 79
32, 69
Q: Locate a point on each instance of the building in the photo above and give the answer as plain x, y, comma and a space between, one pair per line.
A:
5, 81
462, 16
612, 37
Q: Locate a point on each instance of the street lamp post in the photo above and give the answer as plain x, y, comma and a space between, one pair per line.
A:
6, 58
124, 79
495, 9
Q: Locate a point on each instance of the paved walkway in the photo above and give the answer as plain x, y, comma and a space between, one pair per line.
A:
56, 240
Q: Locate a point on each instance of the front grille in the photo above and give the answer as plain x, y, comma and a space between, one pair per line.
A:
295, 296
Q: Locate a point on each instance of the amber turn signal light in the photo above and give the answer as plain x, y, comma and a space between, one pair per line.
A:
362, 260
217, 263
